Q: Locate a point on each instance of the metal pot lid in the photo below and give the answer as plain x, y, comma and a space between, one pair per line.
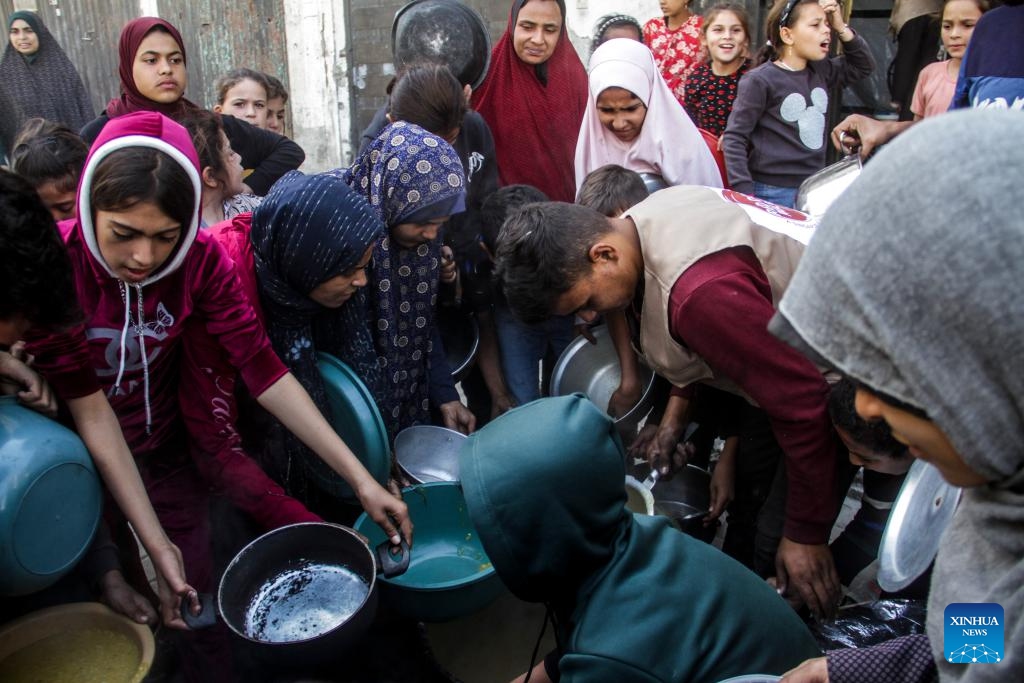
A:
446, 32
920, 514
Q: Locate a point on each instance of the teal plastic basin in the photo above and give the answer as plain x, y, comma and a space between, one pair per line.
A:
357, 420
449, 575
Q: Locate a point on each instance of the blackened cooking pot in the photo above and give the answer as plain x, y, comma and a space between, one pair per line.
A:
301, 595
444, 31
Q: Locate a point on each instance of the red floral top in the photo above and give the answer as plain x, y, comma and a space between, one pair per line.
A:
709, 97
677, 52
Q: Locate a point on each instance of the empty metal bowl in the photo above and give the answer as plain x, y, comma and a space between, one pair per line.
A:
593, 370
426, 453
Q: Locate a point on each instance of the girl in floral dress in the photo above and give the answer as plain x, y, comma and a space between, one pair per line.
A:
674, 38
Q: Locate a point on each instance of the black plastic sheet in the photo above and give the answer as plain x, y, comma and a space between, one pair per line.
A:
870, 624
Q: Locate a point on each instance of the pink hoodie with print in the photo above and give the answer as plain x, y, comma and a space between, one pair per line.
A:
130, 342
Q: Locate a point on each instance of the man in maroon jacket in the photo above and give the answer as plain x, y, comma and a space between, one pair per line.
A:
704, 267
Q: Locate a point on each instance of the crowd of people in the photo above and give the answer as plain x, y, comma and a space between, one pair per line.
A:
170, 278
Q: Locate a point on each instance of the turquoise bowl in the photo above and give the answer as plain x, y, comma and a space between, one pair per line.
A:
449, 575
50, 499
357, 420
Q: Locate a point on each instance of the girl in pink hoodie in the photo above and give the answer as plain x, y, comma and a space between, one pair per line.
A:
145, 275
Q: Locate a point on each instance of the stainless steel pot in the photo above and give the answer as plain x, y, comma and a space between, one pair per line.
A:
593, 370
820, 190
427, 453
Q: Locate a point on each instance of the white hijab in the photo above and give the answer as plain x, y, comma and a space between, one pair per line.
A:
669, 143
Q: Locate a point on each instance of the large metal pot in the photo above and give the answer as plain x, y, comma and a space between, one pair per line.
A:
444, 31
50, 499
301, 595
593, 370
684, 498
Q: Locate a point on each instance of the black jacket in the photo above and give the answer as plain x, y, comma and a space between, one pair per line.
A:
266, 156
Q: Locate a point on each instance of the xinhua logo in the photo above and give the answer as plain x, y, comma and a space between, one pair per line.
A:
973, 633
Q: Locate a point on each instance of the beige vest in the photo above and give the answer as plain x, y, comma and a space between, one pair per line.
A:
680, 225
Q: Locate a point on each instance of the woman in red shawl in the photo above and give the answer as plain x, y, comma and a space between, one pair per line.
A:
534, 98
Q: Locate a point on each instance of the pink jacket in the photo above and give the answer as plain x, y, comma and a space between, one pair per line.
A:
129, 344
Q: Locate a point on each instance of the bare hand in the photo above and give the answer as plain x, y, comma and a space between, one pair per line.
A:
810, 572
662, 454
583, 328
388, 511
123, 599
30, 387
810, 671
623, 399
643, 440
458, 417
723, 488
832, 13
863, 132
501, 404
449, 273
171, 585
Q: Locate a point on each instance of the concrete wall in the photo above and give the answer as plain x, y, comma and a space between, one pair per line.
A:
334, 56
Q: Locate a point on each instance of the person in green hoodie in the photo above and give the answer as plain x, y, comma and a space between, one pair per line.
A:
630, 597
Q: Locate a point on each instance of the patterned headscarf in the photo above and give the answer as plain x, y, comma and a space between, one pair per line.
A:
308, 230
45, 84
407, 175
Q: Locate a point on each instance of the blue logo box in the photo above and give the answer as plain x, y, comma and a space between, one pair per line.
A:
973, 633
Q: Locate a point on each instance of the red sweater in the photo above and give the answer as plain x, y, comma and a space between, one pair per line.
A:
720, 308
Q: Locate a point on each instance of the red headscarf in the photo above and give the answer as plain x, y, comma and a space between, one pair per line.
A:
535, 122
131, 99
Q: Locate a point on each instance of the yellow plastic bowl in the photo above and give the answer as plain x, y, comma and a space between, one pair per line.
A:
80, 642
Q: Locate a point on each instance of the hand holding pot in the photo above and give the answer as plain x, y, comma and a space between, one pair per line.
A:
458, 417
388, 511
32, 390
171, 585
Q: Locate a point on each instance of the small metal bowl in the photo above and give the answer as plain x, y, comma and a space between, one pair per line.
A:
426, 453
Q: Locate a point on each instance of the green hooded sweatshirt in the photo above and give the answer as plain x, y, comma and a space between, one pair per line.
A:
633, 598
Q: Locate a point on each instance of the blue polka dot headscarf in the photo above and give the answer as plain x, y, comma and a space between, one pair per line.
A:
409, 175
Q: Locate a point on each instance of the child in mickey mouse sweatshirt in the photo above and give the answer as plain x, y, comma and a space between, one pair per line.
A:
776, 135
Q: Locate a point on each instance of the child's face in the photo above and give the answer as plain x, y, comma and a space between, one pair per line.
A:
340, 288
135, 242
725, 38
23, 39
232, 162
275, 115
537, 29
159, 69
673, 8
621, 112
60, 203
921, 436
245, 100
862, 456
958, 20
809, 35
412, 235
622, 31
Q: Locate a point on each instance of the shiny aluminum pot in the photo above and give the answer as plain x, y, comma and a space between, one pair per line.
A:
820, 190
427, 453
593, 370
